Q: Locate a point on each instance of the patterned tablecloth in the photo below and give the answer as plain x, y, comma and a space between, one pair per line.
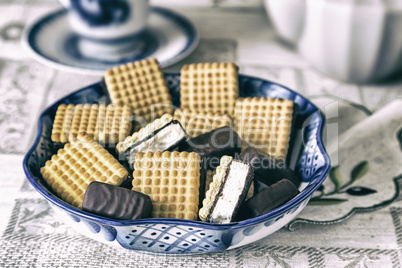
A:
369, 236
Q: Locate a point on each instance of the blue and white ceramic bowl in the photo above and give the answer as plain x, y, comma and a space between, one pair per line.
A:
174, 236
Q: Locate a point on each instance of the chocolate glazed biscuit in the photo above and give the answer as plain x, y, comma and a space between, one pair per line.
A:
268, 199
116, 202
268, 169
213, 145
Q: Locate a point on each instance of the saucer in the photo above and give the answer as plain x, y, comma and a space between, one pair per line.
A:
169, 38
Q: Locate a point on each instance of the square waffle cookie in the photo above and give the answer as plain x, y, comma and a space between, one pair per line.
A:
172, 180
265, 123
104, 123
73, 168
141, 85
209, 87
197, 123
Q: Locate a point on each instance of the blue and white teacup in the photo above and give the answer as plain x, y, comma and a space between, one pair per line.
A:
107, 20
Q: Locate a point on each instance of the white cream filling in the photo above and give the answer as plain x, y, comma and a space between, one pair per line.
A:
229, 197
165, 138
144, 132
214, 187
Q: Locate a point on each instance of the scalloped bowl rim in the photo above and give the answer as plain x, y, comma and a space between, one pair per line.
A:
302, 196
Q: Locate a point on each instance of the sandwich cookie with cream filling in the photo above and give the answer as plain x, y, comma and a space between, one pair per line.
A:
227, 191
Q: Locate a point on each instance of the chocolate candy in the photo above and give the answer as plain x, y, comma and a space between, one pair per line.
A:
115, 202
213, 145
268, 169
269, 198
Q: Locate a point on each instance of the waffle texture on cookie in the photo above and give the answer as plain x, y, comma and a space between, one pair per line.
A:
73, 168
141, 85
104, 123
265, 123
172, 180
209, 87
116, 202
198, 122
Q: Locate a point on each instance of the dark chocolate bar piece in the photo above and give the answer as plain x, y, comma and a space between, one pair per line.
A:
213, 145
271, 197
114, 202
268, 169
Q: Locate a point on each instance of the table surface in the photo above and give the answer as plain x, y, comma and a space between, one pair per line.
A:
239, 31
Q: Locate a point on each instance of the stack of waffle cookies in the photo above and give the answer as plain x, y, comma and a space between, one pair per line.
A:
152, 143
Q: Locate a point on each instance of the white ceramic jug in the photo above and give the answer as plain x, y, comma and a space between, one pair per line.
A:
351, 40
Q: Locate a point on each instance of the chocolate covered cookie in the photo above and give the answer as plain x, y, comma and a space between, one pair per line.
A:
213, 145
268, 169
116, 202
